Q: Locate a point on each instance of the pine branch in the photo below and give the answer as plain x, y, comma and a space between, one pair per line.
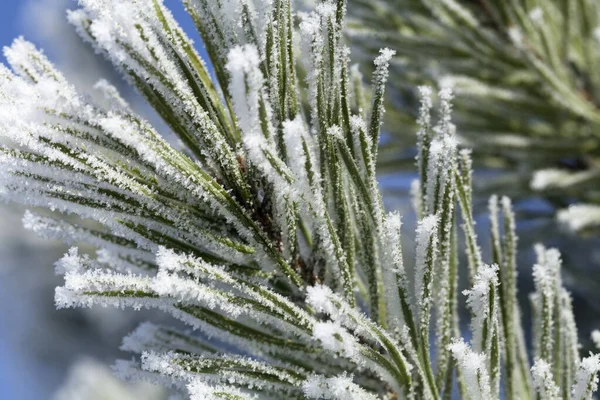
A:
265, 229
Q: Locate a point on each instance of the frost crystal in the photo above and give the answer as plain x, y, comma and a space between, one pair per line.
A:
334, 338
336, 388
478, 301
472, 366
586, 382
543, 381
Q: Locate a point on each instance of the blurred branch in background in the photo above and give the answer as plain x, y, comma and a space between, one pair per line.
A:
527, 82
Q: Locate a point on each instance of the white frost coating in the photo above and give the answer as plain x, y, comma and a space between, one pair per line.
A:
323, 300
223, 300
248, 95
446, 97
543, 381
439, 152
224, 22
32, 65
133, 37
153, 362
213, 287
547, 282
478, 299
319, 297
579, 217
394, 275
326, 9
313, 44
294, 132
198, 390
122, 263
337, 388
145, 193
424, 119
314, 205
586, 380
97, 280
546, 272
426, 239
357, 123
336, 339
226, 370
569, 329
187, 291
89, 288
427, 225
245, 86
474, 371
363, 148
380, 77
47, 228
358, 127
71, 262
99, 156
423, 137
342, 314
442, 153
382, 63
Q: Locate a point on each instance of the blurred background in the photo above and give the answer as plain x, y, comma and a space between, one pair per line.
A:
65, 354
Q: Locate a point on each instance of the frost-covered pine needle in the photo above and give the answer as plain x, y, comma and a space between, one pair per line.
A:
264, 231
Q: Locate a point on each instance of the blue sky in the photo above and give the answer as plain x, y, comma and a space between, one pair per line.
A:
10, 21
